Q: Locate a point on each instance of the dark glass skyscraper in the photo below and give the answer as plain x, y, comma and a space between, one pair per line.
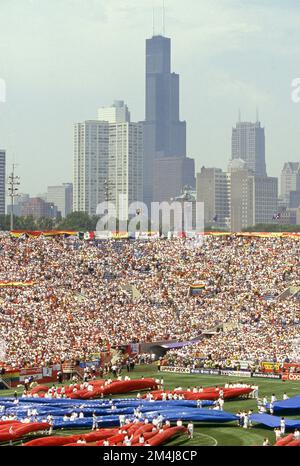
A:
162, 99
164, 133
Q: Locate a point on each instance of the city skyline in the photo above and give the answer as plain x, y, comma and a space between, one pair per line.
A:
227, 57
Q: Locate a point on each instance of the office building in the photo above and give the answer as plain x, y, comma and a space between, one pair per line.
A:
294, 199
171, 174
37, 208
62, 197
213, 189
108, 161
18, 202
253, 199
117, 113
90, 167
242, 196
125, 166
248, 144
290, 181
266, 199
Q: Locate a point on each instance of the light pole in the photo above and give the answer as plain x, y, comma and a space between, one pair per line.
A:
13, 183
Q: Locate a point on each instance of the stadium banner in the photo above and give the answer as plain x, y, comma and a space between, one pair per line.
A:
196, 289
103, 234
205, 371
266, 375
232, 373
32, 371
89, 235
36, 374
175, 369
291, 377
270, 366
84, 364
5, 283
287, 366
244, 365
181, 234
47, 372
119, 234
36, 234
135, 348
13, 376
145, 235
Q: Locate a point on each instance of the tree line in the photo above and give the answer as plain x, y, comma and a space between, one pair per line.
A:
81, 221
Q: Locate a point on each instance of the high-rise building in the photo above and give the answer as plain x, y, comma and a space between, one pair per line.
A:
117, 113
37, 207
242, 196
19, 200
2, 181
125, 166
90, 168
294, 199
248, 144
62, 197
171, 174
253, 199
213, 189
266, 199
290, 181
164, 132
162, 100
108, 161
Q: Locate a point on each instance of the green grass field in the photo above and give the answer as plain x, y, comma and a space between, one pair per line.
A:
210, 435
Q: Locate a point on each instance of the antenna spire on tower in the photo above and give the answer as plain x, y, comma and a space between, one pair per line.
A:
163, 17
239, 116
153, 20
257, 114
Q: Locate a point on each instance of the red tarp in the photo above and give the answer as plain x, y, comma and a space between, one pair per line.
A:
20, 429
210, 393
99, 389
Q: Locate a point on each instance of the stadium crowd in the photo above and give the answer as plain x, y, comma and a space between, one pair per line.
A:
80, 300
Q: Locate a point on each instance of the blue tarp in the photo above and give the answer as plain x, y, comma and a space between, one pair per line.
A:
171, 410
101, 408
187, 414
274, 421
290, 406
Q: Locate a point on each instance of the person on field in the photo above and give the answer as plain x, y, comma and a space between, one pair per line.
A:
190, 428
282, 425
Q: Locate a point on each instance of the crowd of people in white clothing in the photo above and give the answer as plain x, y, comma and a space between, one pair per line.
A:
77, 302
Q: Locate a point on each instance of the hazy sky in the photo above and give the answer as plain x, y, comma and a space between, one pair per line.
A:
62, 59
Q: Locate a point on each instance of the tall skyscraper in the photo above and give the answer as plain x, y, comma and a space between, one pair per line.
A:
2, 181
108, 161
164, 132
162, 100
248, 144
62, 197
290, 181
